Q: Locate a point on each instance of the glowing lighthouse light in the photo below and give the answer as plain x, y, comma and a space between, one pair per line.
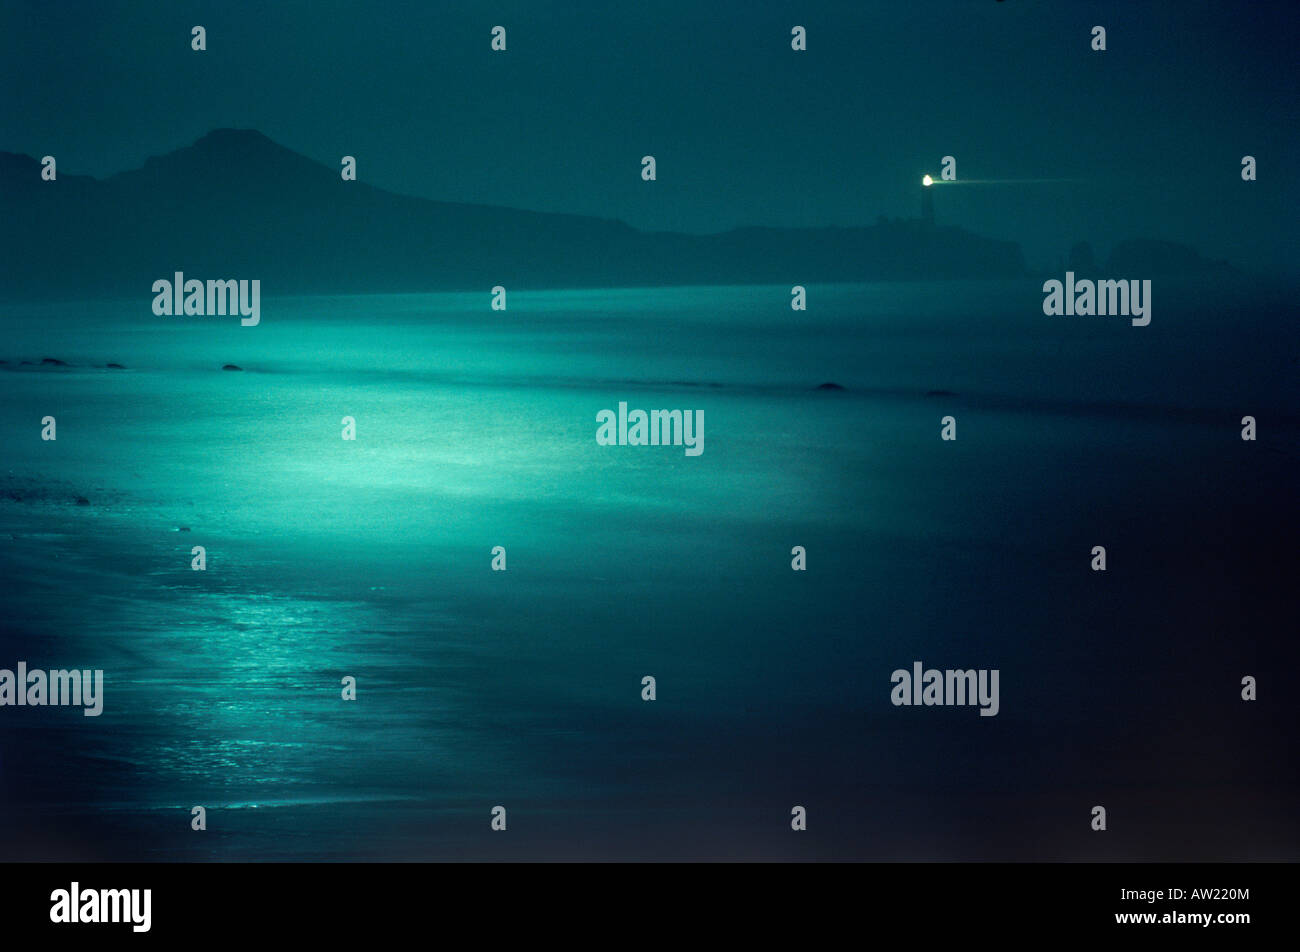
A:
927, 181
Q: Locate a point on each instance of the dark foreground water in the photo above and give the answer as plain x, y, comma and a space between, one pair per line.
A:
522, 688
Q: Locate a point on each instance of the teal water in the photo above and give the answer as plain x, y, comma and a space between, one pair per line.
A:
477, 428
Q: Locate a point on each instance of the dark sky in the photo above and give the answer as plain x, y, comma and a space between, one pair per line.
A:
1147, 136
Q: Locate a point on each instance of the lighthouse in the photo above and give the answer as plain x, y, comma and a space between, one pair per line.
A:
927, 201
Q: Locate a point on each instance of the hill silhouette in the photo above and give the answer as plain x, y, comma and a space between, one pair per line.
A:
1154, 256
237, 205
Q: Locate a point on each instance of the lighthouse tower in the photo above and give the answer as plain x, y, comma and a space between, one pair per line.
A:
927, 201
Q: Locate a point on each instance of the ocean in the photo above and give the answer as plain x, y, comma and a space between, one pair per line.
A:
372, 558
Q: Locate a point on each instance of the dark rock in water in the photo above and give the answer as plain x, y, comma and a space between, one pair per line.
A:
114, 366
829, 386
83, 501
940, 393
182, 528
231, 367
24, 363
52, 362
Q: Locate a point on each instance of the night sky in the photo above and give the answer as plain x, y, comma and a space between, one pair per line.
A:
1142, 140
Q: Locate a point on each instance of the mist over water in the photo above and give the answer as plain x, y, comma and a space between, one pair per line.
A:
476, 428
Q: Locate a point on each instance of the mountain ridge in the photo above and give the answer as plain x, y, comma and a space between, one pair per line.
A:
236, 204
